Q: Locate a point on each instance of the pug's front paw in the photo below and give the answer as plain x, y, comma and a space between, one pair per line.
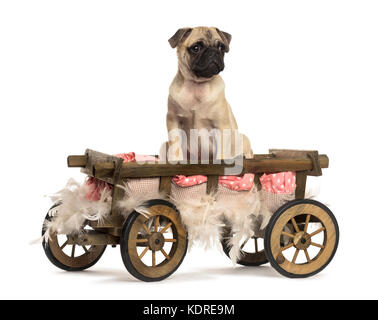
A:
175, 156
249, 155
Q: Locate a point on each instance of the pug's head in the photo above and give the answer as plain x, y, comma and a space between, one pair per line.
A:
200, 51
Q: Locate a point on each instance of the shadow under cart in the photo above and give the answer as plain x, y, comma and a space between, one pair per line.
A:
299, 241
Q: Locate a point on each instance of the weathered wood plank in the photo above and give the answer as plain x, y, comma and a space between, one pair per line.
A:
301, 178
290, 153
93, 238
165, 185
257, 182
257, 165
212, 184
312, 154
77, 161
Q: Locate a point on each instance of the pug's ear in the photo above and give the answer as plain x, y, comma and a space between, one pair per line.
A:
226, 37
179, 36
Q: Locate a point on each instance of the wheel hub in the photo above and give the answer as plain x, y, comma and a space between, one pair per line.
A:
156, 241
302, 240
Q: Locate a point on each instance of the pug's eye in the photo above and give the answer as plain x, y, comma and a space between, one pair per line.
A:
196, 48
221, 47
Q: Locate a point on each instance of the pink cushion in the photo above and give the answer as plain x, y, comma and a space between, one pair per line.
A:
132, 157
189, 181
278, 183
243, 183
237, 183
95, 188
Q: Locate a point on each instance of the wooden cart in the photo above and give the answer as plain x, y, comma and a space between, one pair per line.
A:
141, 237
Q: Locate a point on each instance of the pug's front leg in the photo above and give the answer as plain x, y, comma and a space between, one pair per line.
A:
175, 152
247, 150
176, 140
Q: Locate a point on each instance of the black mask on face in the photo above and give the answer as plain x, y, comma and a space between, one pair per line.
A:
206, 61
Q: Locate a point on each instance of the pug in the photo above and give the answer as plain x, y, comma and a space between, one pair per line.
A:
197, 97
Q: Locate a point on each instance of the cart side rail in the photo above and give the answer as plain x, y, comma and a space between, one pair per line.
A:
102, 166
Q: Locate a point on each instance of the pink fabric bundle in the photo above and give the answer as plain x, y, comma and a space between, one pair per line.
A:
132, 157
95, 188
279, 183
237, 183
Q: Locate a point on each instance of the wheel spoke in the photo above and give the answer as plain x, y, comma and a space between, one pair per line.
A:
166, 227
295, 224
317, 231
165, 254
307, 221
64, 245
317, 245
287, 247
307, 255
142, 240
157, 223
73, 251
295, 256
287, 234
85, 249
170, 240
143, 252
146, 228
153, 258
243, 244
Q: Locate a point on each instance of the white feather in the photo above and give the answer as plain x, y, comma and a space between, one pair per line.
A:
75, 209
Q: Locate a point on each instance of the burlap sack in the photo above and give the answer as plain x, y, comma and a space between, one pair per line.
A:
273, 201
146, 187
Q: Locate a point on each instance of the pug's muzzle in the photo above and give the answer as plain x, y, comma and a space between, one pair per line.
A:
208, 63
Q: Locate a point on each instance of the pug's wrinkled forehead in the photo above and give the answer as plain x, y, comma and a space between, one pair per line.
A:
188, 37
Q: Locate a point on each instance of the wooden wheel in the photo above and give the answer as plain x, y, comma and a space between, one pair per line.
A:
252, 250
154, 244
67, 255
301, 238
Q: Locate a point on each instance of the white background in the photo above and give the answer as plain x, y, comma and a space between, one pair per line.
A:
95, 74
